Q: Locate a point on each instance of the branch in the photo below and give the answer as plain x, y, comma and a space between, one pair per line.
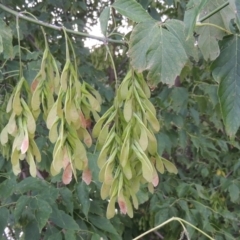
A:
44, 24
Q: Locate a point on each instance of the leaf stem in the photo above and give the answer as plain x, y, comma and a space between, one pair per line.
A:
113, 65
19, 47
214, 11
66, 43
213, 25
44, 24
180, 220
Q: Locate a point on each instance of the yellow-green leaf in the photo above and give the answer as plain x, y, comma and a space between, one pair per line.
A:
35, 101
17, 107
53, 133
15, 157
93, 102
143, 140
52, 116
147, 170
16, 168
134, 198
169, 166
105, 189
87, 138
159, 164
143, 84
128, 110
150, 106
129, 207
18, 140
103, 135
97, 128
65, 75
35, 150
111, 207
57, 162
32, 165
31, 124
124, 154
127, 171
123, 89
102, 157
73, 112
152, 120
4, 136
67, 107
9, 105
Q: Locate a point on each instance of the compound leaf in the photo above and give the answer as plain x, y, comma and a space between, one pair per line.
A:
191, 14
209, 35
177, 28
63, 220
83, 196
156, 49
132, 9
226, 72
4, 214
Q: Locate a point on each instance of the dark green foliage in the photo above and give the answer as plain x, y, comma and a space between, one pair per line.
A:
198, 114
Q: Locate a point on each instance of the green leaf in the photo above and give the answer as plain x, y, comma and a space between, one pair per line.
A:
31, 231
237, 3
56, 236
66, 195
63, 220
50, 231
95, 237
226, 72
83, 196
42, 211
209, 35
156, 49
161, 216
102, 223
177, 28
179, 98
6, 40
31, 183
69, 235
104, 18
132, 9
7, 187
234, 192
92, 163
142, 195
4, 215
39, 208
21, 204
1, 44
191, 14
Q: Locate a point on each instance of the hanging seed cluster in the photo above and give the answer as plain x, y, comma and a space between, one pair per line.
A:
128, 155
45, 84
21, 127
67, 118
68, 122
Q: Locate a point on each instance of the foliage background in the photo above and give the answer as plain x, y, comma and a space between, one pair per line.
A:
206, 190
